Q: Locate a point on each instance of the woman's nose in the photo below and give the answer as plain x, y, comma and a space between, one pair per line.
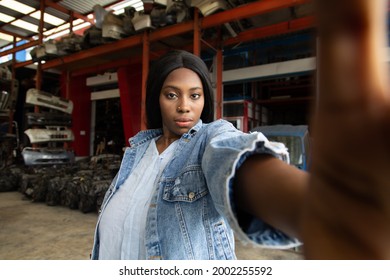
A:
183, 107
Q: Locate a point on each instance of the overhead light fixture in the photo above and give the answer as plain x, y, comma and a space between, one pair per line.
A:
124, 4
57, 29
77, 21
137, 7
118, 12
17, 6
57, 35
80, 26
25, 25
6, 37
6, 18
66, 26
66, 31
48, 18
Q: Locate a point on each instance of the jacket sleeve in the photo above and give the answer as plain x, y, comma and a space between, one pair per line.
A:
226, 149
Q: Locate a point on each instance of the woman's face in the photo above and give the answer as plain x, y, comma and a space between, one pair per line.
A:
181, 102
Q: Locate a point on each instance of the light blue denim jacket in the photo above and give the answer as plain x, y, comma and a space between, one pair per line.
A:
191, 215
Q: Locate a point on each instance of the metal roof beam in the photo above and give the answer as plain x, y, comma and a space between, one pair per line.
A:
270, 70
15, 19
248, 10
16, 35
96, 51
19, 48
272, 30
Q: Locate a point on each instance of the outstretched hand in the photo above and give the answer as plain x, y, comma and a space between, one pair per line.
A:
347, 211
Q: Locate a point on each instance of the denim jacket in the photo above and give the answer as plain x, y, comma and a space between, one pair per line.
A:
191, 215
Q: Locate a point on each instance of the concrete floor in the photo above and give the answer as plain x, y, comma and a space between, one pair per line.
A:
35, 231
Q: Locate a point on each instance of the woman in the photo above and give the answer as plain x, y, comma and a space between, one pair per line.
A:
186, 183
173, 196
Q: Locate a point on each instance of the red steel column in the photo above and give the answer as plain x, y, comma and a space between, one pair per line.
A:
197, 46
130, 88
219, 87
246, 116
78, 91
145, 72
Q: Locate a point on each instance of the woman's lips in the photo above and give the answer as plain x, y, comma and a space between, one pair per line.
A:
183, 122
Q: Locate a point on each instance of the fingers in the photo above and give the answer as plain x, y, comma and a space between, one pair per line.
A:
351, 153
352, 53
352, 73
351, 126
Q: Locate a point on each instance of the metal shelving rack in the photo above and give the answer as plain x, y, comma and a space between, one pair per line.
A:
142, 48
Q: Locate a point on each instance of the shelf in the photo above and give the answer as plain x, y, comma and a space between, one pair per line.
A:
128, 48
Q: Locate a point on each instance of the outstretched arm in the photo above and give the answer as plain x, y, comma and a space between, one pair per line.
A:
272, 190
347, 215
343, 210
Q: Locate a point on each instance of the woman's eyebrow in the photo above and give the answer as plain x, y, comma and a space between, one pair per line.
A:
169, 86
176, 88
194, 88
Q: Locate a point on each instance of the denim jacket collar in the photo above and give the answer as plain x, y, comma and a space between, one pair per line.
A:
146, 135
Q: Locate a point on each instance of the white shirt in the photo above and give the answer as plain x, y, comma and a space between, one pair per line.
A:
122, 226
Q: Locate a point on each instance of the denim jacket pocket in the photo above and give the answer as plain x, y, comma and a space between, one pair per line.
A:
189, 186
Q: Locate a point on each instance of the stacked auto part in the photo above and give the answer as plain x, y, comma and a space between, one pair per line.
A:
52, 49
110, 27
159, 13
8, 91
80, 185
50, 128
207, 8
9, 137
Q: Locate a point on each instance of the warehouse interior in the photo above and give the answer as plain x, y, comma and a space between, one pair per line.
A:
90, 59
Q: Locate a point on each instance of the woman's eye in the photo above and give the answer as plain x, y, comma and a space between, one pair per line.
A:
195, 96
171, 95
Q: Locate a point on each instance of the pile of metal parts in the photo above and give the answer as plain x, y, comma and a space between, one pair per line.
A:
110, 27
49, 128
8, 91
80, 185
9, 138
68, 44
9, 143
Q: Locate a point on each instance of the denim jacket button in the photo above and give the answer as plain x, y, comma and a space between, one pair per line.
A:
191, 195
